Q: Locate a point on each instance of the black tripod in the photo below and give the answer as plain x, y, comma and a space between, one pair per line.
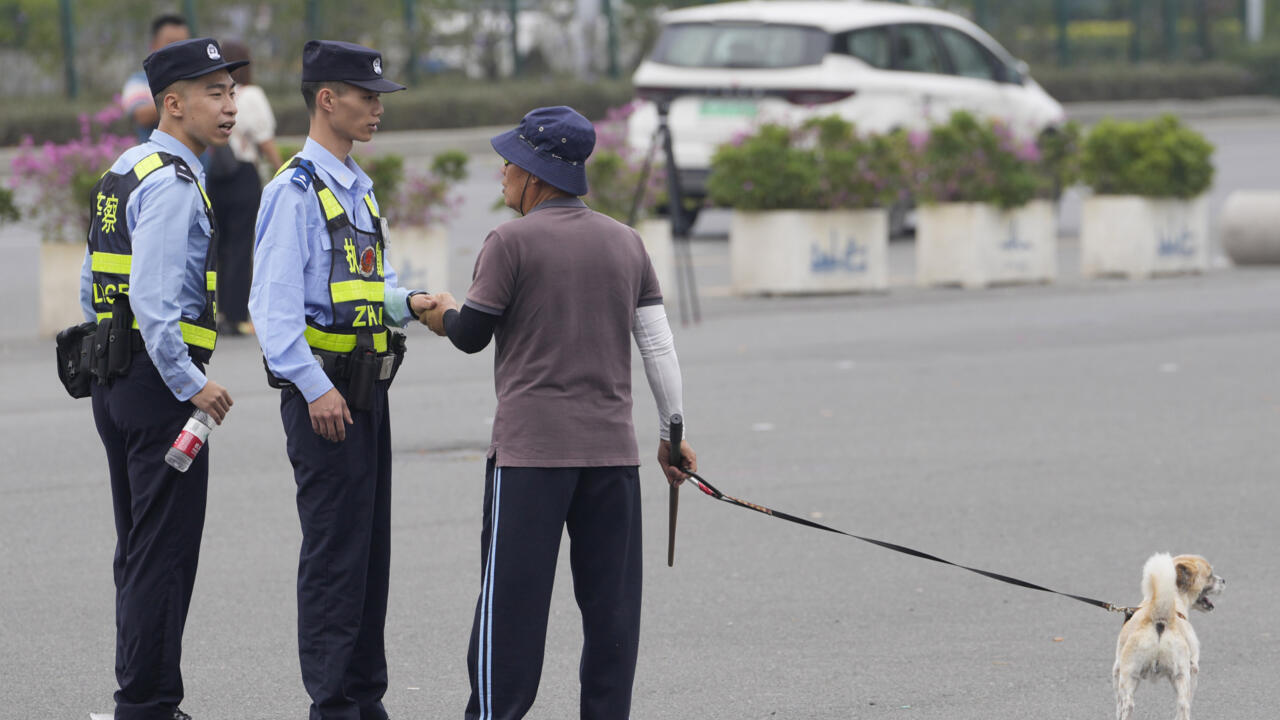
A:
680, 220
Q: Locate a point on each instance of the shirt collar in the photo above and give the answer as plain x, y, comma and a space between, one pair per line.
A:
346, 174
174, 146
570, 202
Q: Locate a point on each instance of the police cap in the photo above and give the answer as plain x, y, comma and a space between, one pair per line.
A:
334, 60
185, 60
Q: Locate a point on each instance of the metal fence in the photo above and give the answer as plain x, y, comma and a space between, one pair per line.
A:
83, 43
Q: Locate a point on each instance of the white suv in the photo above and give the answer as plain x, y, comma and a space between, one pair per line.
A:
723, 69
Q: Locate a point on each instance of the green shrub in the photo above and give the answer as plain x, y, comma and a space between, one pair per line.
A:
469, 104
968, 160
8, 208
1263, 60
1059, 166
824, 164
386, 171
1148, 81
1157, 158
438, 105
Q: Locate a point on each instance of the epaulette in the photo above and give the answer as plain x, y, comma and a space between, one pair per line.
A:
183, 172
302, 174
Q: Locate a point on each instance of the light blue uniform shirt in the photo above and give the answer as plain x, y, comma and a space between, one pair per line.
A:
170, 233
291, 261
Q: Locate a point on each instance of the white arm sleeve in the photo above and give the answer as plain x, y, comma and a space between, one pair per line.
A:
658, 350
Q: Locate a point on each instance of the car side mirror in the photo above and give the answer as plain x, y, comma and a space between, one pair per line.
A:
1019, 71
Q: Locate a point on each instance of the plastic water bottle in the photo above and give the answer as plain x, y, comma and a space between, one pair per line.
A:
188, 443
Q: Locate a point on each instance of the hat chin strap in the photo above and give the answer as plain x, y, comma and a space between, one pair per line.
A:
528, 176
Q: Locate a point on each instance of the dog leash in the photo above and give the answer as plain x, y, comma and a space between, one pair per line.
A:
706, 487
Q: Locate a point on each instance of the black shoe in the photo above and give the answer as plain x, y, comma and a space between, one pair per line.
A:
179, 715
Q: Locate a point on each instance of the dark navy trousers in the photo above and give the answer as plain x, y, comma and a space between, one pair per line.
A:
526, 512
344, 506
159, 518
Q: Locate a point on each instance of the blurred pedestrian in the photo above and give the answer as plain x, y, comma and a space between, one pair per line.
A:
136, 97
235, 188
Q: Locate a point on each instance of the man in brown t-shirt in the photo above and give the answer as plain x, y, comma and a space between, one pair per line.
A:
560, 289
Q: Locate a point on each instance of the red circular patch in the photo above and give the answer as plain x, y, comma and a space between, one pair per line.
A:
366, 262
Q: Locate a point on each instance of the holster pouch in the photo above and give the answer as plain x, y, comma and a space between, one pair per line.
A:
364, 365
72, 350
396, 347
119, 339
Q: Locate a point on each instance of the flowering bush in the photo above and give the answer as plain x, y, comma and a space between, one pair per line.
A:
967, 160
54, 180
615, 172
823, 164
426, 198
1059, 166
1160, 157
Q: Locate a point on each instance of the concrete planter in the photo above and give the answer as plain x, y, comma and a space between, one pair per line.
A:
1137, 237
420, 256
656, 234
60, 265
809, 251
976, 245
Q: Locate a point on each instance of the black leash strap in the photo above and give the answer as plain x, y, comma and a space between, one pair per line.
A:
711, 490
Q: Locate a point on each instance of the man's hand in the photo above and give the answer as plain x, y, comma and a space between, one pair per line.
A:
330, 416
213, 399
420, 303
434, 318
676, 476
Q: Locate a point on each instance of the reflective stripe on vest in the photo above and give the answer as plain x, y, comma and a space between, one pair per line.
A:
357, 288
109, 236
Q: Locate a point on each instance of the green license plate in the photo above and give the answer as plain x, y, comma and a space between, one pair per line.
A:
729, 108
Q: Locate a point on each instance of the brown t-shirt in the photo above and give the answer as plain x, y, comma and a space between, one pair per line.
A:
565, 282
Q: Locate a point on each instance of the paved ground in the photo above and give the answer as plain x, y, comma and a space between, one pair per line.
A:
1057, 433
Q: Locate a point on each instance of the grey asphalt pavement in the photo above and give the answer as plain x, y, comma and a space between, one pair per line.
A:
1056, 433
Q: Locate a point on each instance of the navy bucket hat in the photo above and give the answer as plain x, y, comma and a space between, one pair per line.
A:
553, 144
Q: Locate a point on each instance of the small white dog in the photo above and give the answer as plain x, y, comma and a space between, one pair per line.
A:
1158, 640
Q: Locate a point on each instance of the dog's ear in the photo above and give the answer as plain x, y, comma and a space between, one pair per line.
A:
1186, 576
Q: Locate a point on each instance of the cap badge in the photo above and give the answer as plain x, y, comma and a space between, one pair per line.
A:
377, 65
213, 52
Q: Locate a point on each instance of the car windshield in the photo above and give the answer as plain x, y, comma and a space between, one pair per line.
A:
740, 45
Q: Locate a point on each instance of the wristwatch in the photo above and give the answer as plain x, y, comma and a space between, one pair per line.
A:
408, 304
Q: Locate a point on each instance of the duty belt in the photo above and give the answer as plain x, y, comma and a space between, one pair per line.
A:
338, 365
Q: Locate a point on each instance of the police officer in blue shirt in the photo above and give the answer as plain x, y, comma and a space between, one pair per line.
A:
323, 300
148, 282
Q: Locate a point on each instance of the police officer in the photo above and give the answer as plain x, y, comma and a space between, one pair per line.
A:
323, 298
563, 290
148, 282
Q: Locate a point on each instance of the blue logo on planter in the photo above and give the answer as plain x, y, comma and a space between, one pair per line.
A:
1175, 243
839, 256
1013, 243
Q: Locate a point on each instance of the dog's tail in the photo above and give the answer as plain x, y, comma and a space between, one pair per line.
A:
1160, 589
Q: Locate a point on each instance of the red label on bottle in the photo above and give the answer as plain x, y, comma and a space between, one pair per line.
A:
188, 444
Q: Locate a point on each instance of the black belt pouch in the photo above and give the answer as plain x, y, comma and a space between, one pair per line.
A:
119, 340
72, 349
363, 365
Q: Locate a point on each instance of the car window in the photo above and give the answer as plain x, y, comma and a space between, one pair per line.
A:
914, 51
871, 46
728, 45
968, 58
